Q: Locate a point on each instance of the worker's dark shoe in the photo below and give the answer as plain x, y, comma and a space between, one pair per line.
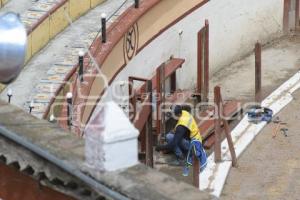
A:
186, 171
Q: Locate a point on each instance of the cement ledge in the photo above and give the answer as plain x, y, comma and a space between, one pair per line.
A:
142, 182
138, 182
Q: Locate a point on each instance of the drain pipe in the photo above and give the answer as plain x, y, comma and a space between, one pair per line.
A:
61, 164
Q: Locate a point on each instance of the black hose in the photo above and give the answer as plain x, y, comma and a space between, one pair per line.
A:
61, 164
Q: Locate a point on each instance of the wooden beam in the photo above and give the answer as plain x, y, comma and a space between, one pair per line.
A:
217, 145
196, 171
206, 62
149, 133
258, 72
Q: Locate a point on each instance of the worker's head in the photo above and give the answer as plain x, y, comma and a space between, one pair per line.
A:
177, 110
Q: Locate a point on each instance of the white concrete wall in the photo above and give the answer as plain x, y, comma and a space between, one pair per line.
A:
235, 26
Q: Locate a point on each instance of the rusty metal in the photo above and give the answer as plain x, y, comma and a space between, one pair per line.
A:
199, 62
132, 110
163, 99
286, 9
136, 3
206, 63
196, 171
297, 13
228, 134
149, 132
132, 97
258, 72
217, 145
203, 63
14, 183
230, 143
173, 82
229, 139
170, 67
158, 101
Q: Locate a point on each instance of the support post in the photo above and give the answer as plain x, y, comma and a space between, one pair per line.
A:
9, 94
132, 102
258, 72
80, 63
196, 171
69, 108
103, 27
297, 14
286, 10
158, 101
136, 3
31, 106
200, 64
228, 136
217, 145
203, 63
149, 133
173, 82
206, 62
163, 93
132, 98
230, 143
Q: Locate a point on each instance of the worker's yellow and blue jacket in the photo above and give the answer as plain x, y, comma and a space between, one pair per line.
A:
196, 148
188, 121
187, 128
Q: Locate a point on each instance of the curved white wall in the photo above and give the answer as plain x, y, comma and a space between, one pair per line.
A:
235, 26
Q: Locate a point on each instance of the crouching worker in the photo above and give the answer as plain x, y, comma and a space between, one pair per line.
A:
186, 140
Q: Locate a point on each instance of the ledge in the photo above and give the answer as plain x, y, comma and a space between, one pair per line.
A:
138, 182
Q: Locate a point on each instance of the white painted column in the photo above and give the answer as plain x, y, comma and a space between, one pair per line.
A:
110, 139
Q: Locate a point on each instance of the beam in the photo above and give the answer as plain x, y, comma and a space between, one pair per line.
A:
149, 133
217, 145
206, 62
258, 72
196, 171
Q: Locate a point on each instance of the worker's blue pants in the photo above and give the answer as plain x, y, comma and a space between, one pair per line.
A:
196, 149
182, 148
189, 148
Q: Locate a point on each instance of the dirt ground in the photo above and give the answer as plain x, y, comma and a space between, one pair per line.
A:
280, 60
270, 167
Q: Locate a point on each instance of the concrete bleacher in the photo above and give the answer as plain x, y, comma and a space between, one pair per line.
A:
46, 18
